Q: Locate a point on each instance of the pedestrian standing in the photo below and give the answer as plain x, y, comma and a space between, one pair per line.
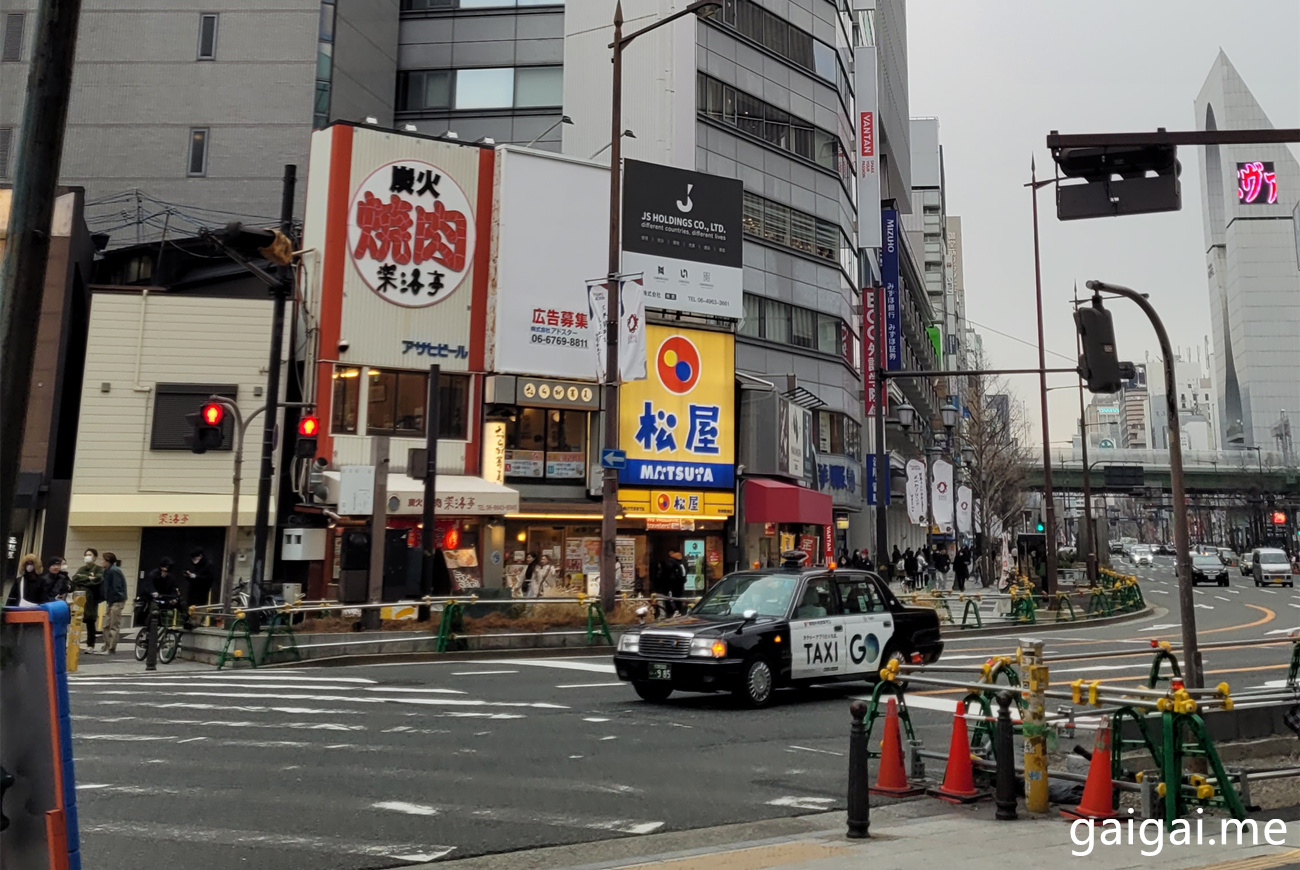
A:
545, 576
677, 583
27, 585
199, 576
113, 591
911, 568
89, 579
961, 570
56, 582
529, 582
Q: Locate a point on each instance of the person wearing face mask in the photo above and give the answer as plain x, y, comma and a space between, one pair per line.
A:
27, 585
89, 579
56, 581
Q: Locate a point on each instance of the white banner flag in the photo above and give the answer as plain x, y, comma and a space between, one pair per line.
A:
631, 336
916, 495
631, 339
964, 504
598, 312
941, 495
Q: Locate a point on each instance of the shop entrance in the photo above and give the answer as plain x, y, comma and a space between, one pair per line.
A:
178, 542
701, 553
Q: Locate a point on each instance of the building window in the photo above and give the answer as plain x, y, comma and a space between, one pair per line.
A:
753, 322
198, 163
347, 400
6, 149
803, 327
780, 322
478, 89
395, 403
207, 37
780, 37
776, 321
781, 225
176, 406
12, 49
324, 65
767, 123
547, 443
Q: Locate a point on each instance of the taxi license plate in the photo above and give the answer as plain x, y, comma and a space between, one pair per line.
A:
660, 671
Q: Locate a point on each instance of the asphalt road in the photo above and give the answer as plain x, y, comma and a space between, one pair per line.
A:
391, 765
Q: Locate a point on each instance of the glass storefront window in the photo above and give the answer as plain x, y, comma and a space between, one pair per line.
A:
395, 404
347, 396
548, 444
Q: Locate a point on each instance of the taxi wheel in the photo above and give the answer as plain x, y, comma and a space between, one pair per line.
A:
653, 692
756, 684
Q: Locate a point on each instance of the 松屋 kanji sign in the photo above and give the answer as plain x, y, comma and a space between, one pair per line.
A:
411, 233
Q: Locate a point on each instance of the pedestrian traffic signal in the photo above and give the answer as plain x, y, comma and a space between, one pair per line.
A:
206, 426
1041, 528
308, 428
1098, 364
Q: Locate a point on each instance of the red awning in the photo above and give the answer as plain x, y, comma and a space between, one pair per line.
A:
770, 501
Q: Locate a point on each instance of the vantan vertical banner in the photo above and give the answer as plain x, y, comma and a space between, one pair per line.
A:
867, 165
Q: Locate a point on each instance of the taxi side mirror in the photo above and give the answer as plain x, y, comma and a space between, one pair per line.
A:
748, 616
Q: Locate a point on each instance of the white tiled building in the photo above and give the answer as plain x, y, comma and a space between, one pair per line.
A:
1251, 263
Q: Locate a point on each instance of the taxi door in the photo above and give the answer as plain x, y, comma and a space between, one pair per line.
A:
868, 624
817, 649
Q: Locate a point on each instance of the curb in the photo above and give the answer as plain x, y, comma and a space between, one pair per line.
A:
1021, 628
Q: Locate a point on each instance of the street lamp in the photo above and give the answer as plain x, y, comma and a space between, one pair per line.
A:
906, 415
564, 119
949, 414
609, 487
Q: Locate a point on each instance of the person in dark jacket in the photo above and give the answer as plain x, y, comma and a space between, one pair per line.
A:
27, 585
961, 570
676, 577
199, 575
56, 581
113, 591
159, 583
912, 568
88, 579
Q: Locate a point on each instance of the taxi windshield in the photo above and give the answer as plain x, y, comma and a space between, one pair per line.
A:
768, 594
1206, 562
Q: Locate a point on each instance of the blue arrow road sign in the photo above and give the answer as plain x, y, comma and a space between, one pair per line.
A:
610, 458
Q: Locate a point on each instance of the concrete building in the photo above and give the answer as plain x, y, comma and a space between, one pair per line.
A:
183, 117
1250, 194
1135, 412
1198, 404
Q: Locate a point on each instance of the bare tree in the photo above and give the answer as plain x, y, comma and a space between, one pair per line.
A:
997, 434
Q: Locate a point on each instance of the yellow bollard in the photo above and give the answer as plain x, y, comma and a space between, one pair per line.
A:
1036, 792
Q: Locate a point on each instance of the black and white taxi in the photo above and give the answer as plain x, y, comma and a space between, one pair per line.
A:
756, 631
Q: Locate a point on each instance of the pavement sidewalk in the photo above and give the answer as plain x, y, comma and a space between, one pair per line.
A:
904, 836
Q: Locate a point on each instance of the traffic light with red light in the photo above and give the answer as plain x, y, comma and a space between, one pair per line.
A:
308, 429
1279, 518
206, 425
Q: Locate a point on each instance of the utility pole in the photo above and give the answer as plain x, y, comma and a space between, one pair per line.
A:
280, 295
1091, 553
22, 274
1049, 516
432, 423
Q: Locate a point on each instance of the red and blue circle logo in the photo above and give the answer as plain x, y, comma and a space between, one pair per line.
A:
663, 502
678, 364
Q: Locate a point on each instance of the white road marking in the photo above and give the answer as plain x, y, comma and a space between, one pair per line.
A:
414, 691
610, 737
1282, 631
241, 708
1159, 591
595, 719
1204, 606
590, 685
1269, 591
463, 702
191, 739
562, 664
1162, 625
1221, 598
628, 827
480, 673
145, 832
818, 751
1293, 604
151, 683
406, 808
801, 802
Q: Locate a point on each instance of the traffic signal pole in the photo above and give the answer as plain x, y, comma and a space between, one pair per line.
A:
280, 297
1182, 544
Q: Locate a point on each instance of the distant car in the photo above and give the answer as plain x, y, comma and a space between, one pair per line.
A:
1270, 565
1141, 555
1208, 569
1165, 549
1116, 548
1229, 557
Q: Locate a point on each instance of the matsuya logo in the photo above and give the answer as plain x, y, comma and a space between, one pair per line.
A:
678, 365
411, 233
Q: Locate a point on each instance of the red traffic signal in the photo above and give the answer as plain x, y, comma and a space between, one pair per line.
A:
212, 414
1279, 518
309, 427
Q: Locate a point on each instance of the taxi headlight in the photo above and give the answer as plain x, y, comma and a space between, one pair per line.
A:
629, 643
708, 647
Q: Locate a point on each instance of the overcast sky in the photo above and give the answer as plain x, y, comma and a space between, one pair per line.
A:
1001, 74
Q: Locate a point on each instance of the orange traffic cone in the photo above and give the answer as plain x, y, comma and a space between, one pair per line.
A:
1098, 792
958, 778
891, 775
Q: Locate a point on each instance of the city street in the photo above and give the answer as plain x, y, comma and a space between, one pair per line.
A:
387, 765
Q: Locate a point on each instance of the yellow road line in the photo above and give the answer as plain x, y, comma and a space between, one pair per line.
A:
754, 858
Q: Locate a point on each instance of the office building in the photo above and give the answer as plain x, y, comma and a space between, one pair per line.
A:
1248, 210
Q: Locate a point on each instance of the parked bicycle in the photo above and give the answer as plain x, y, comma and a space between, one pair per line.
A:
169, 633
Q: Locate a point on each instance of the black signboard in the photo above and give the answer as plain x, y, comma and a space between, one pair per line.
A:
670, 212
